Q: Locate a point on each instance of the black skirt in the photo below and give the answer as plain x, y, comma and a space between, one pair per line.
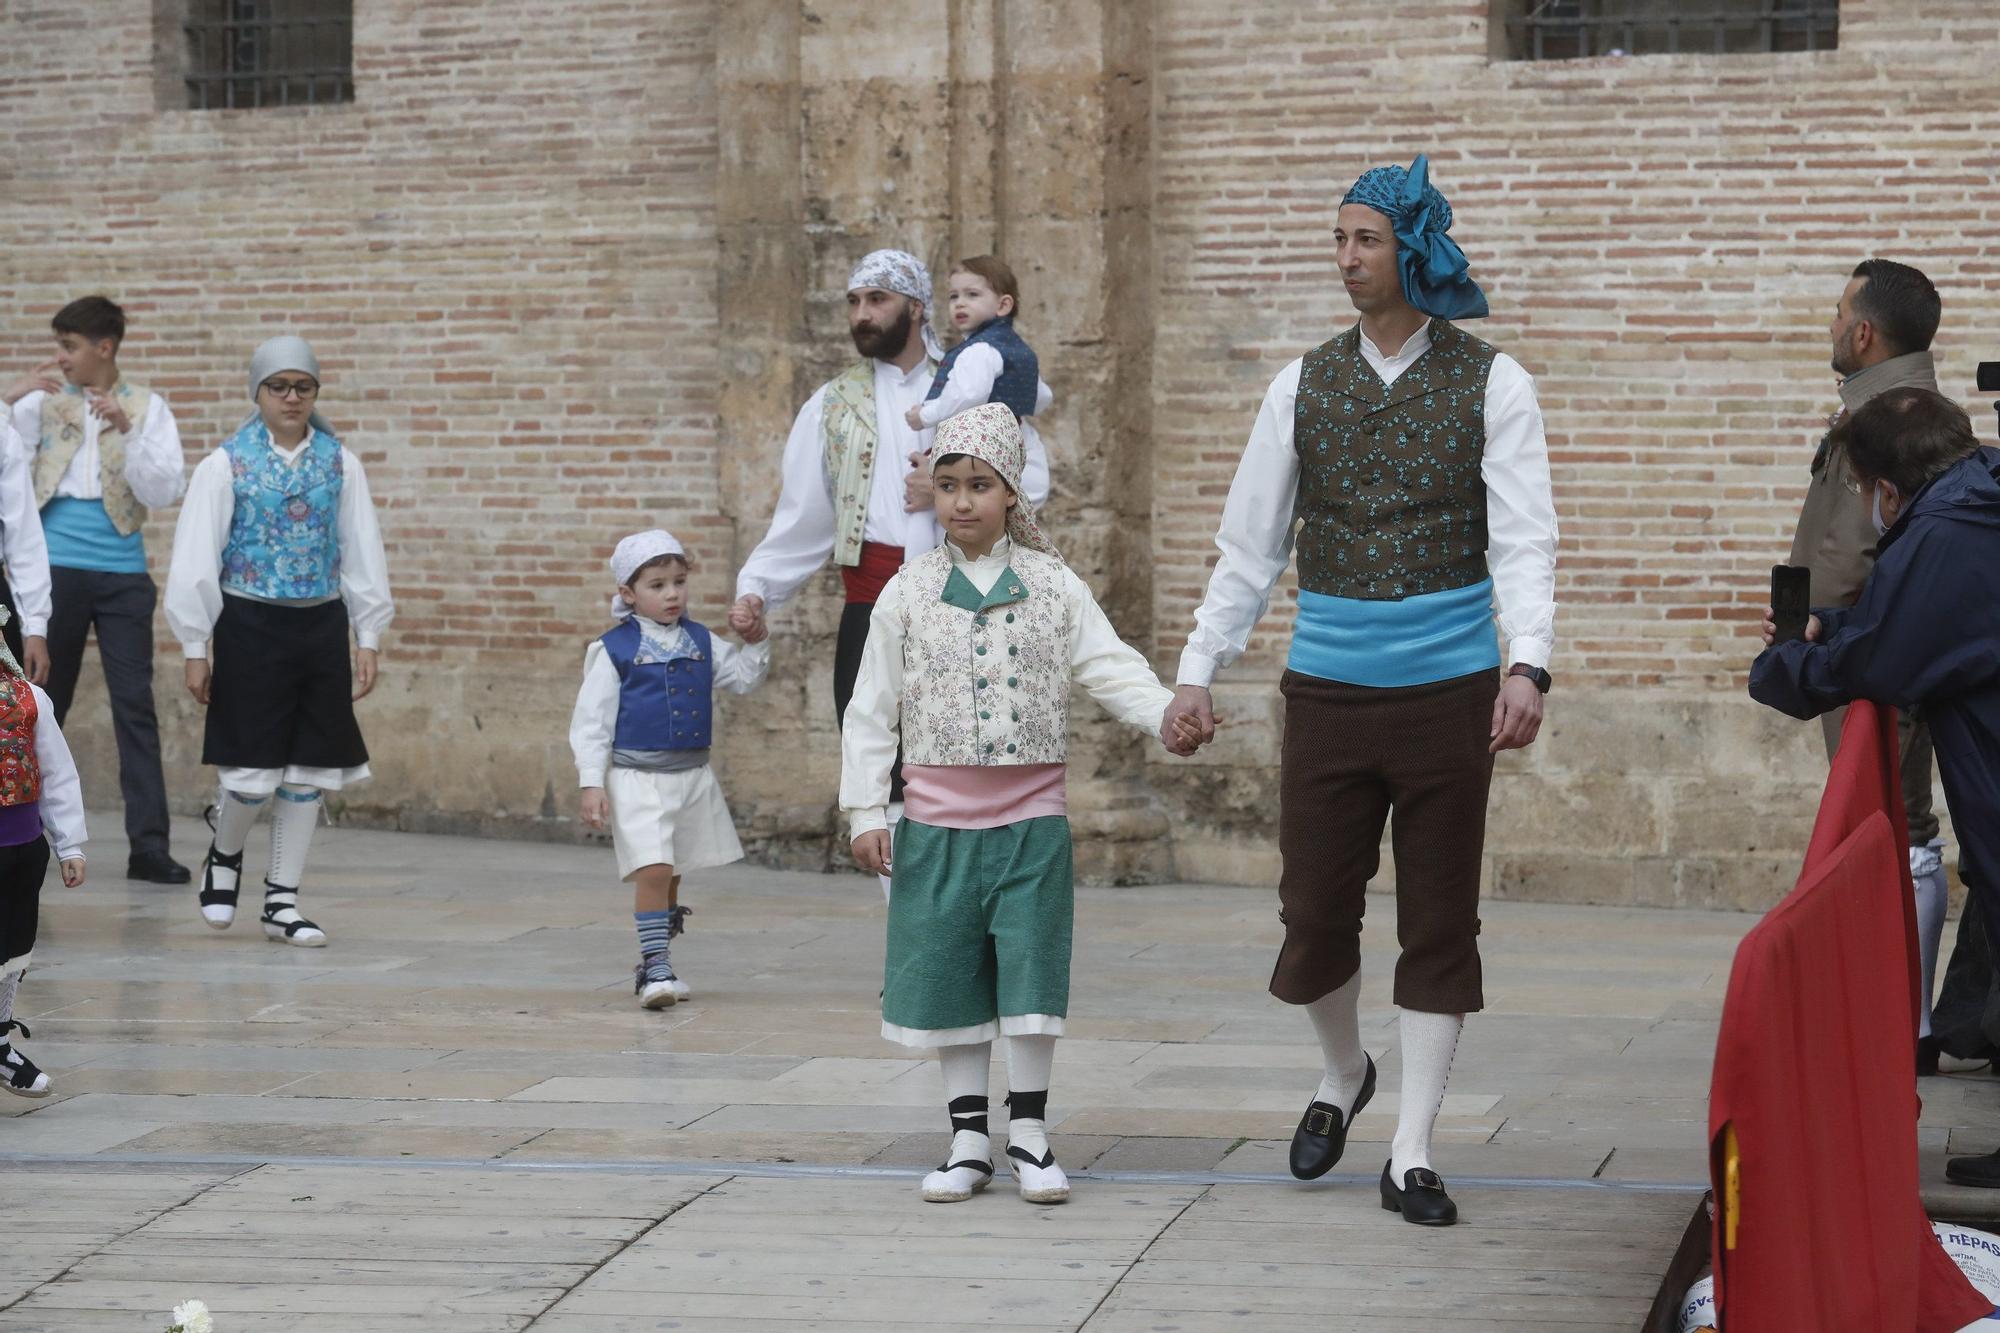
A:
282, 690
21, 871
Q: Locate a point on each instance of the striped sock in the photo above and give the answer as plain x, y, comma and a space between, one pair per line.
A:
655, 930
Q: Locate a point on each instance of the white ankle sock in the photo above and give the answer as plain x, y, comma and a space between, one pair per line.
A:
1933, 897
234, 814
1429, 1041
1336, 1019
295, 810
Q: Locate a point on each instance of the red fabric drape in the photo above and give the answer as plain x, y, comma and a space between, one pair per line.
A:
1813, 1067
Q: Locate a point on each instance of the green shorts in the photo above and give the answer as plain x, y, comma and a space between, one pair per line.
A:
979, 932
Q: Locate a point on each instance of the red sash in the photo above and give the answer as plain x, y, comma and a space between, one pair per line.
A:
865, 581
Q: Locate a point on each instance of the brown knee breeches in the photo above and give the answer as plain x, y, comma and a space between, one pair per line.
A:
1352, 755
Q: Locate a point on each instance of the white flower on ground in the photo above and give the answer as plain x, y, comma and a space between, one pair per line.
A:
191, 1317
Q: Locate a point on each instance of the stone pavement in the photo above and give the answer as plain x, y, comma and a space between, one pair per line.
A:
456, 1118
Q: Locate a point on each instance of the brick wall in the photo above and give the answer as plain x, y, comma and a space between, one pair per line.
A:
544, 260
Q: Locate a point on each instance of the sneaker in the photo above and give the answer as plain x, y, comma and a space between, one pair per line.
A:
22, 1079
653, 983
681, 991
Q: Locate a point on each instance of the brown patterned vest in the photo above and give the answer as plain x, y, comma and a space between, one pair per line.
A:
1391, 502
62, 436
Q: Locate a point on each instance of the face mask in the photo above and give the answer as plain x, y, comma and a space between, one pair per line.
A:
1881, 528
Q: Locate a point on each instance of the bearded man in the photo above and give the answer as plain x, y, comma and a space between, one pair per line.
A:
855, 482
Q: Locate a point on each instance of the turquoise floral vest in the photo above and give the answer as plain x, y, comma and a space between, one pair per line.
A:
284, 538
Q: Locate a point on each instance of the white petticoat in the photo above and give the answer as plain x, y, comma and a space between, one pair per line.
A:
676, 819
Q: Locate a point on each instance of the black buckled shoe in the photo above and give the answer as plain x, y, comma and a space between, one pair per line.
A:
1421, 1200
1322, 1133
156, 868
1982, 1172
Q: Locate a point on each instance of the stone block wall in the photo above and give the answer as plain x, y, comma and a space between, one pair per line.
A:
572, 267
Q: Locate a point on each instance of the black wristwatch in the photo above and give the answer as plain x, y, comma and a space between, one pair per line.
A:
1536, 674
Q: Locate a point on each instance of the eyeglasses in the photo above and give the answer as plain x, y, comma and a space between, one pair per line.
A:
303, 390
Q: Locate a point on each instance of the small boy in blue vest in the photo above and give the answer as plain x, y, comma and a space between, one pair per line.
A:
640, 735
993, 364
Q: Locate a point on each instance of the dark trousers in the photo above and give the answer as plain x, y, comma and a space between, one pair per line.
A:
120, 608
1352, 755
847, 651
1913, 741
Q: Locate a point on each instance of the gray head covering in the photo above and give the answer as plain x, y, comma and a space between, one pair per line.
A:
903, 273
287, 351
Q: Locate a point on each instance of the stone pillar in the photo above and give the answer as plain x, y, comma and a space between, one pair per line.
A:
944, 127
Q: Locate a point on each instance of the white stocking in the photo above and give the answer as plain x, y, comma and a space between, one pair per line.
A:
1429, 1042
294, 813
1336, 1018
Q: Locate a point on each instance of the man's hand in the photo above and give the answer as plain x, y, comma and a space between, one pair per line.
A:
198, 676
35, 658
747, 618
367, 665
915, 417
1517, 715
43, 377
72, 872
871, 851
595, 808
1192, 703
1771, 628
105, 407
917, 485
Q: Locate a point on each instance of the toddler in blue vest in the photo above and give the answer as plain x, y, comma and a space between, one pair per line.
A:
992, 364
640, 735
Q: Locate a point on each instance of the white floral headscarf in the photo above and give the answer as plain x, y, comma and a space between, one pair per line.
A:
634, 551
992, 434
903, 273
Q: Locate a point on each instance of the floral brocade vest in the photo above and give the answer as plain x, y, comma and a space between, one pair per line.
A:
284, 535
1391, 500
985, 678
62, 435
20, 771
848, 430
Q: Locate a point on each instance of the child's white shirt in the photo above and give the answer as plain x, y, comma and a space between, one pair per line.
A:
1110, 670
973, 375
594, 720
62, 790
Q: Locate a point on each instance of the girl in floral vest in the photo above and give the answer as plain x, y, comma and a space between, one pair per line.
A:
276, 556
972, 651
41, 802
640, 736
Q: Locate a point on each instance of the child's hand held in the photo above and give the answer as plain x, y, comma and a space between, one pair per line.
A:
72, 872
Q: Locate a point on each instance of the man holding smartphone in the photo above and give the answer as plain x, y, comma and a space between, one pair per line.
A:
1882, 330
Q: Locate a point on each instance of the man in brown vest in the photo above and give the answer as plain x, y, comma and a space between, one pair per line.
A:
1882, 330
1412, 458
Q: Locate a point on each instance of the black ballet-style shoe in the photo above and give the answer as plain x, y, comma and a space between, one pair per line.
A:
1421, 1200
1981, 1172
1322, 1133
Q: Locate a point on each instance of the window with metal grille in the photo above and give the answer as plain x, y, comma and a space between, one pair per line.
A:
1572, 29
249, 53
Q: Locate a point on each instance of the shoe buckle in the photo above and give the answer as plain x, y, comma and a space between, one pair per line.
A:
1321, 1121
1425, 1179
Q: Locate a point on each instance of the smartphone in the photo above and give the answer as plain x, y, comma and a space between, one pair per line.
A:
1791, 600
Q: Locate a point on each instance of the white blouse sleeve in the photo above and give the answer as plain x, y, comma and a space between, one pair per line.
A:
62, 791
800, 538
874, 717
1110, 670
364, 565
194, 575
594, 720
740, 669
153, 462
22, 541
1521, 532
1255, 538
971, 383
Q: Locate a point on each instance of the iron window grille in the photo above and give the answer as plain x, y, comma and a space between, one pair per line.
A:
257, 53
1575, 29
